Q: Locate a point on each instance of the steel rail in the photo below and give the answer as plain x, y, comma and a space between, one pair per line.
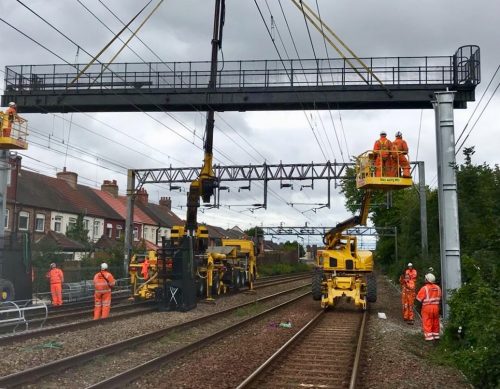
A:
35, 373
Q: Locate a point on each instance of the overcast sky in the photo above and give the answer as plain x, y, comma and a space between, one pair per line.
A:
182, 31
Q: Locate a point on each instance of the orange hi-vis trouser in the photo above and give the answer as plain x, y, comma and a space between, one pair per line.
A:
403, 164
102, 304
430, 321
383, 167
408, 299
56, 291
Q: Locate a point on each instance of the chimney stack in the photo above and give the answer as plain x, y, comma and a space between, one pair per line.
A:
70, 177
110, 186
166, 202
142, 196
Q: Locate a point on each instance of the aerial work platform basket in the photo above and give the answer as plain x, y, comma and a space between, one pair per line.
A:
383, 170
13, 133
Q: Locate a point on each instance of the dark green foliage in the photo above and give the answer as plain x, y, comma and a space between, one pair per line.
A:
78, 231
472, 334
282, 268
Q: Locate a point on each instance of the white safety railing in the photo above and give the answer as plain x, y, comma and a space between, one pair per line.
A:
13, 313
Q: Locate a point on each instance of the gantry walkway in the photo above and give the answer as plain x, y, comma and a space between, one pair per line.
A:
408, 82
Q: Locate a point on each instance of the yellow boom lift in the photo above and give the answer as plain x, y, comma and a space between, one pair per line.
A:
342, 269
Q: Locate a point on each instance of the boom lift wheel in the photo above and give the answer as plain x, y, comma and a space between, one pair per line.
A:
371, 288
202, 287
317, 282
215, 284
6, 290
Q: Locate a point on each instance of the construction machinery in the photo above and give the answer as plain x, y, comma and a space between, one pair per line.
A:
221, 265
342, 270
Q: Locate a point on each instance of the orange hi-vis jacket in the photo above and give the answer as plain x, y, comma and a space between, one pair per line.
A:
55, 276
429, 294
400, 145
382, 145
103, 281
412, 273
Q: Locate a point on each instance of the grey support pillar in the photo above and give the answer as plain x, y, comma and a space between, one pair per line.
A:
129, 222
447, 196
423, 210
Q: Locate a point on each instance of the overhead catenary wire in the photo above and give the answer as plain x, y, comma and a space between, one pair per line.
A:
288, 75
168, 67
303, 70
475, 109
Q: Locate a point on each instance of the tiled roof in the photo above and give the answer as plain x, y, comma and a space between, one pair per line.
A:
52, 193
164, 216
119, 204
63, 242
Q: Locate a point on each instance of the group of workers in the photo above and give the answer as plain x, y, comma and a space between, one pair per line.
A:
429, 296
391, 157
103, 285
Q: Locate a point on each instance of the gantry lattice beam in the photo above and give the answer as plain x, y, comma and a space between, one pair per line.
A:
321, 231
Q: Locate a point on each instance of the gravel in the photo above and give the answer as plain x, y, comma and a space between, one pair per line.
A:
35, 352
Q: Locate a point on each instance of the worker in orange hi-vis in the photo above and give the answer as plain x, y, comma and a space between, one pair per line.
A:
382, 149
8, 119
400, 148
145, 268
412, 272
407, 297
103, 283
56, 279
430, 297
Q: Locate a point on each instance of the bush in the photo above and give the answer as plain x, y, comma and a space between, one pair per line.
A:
282, 268
472, 335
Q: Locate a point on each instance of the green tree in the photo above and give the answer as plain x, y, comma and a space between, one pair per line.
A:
78, 232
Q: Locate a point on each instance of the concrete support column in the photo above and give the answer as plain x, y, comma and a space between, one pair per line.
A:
447, 196
129, 221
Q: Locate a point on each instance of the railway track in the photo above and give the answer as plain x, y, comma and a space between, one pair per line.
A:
124, 311
147, 341
323, 354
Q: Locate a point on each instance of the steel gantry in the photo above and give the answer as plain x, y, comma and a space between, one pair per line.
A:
256, 85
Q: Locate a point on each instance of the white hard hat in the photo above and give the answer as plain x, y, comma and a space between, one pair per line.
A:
12, 104
410, 264
52, 264
429, 277
383, 133
399, 133
104, 266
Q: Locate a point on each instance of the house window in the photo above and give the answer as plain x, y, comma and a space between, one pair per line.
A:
40, 222
118, 231
86, 224
136, 233
6, 220
71, 224
58, 224
96, 228
24, 220
109, 230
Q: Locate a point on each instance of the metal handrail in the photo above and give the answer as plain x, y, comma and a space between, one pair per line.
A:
13, 313
459, 69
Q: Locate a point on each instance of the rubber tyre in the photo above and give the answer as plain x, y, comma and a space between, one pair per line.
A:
371, 289
6, 290
215, 284
236, 280
201, 289
317, 282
